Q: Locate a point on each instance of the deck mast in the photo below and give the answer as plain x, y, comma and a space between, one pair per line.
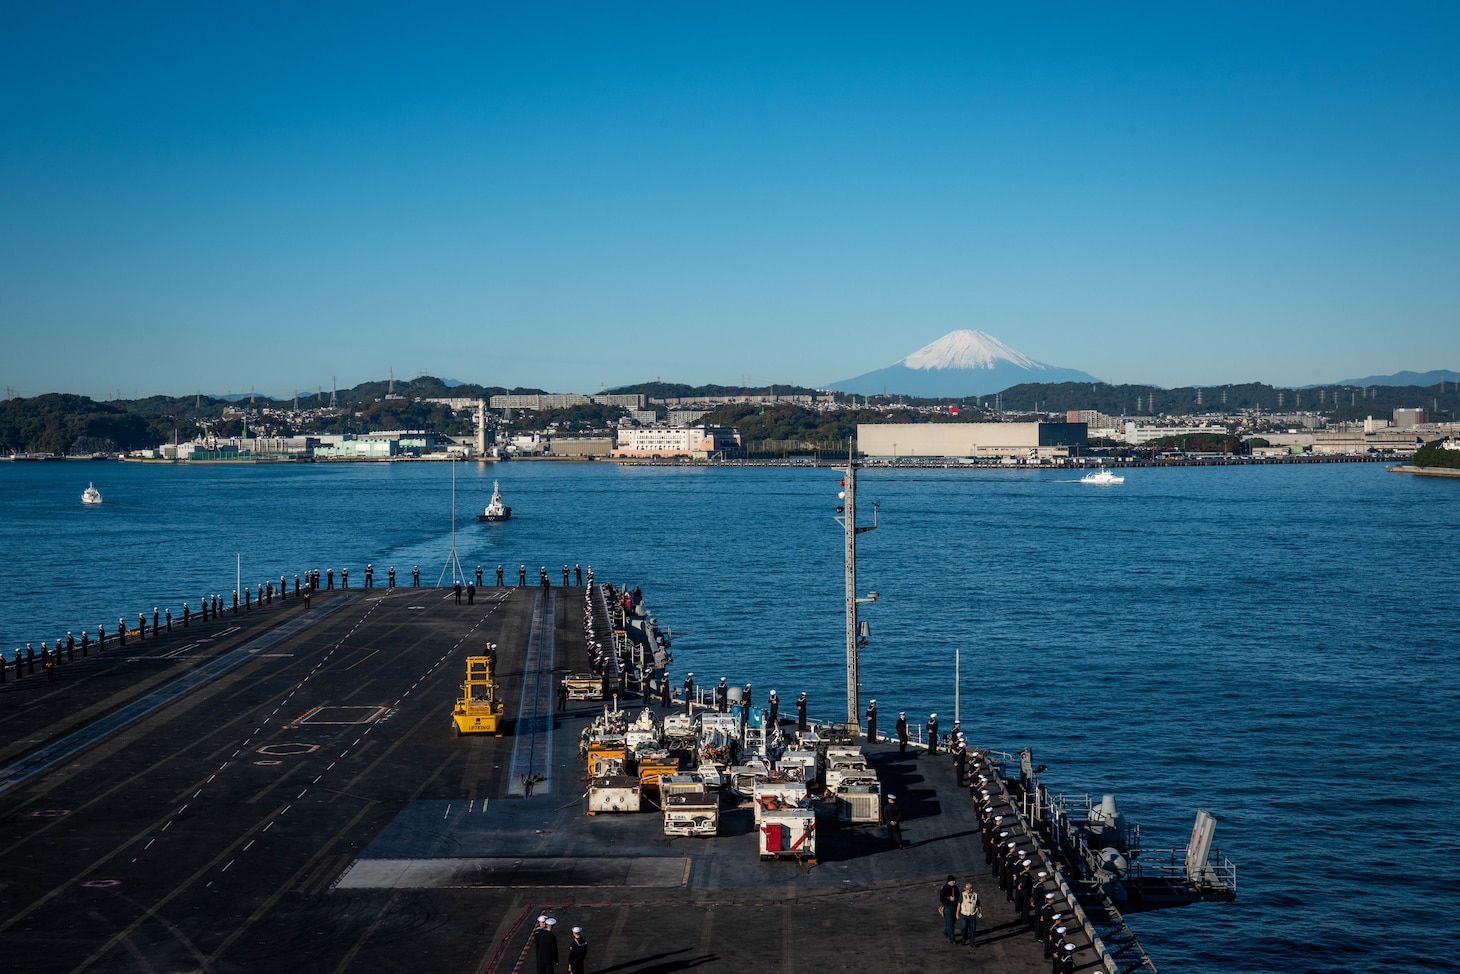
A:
848, 518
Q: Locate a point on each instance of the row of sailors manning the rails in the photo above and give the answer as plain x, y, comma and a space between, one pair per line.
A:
162, 621
210, 607
1024, 871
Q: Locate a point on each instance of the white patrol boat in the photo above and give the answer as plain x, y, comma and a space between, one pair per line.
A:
1102, 476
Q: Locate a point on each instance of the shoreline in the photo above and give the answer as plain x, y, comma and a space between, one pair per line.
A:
1073, 463
1425, 471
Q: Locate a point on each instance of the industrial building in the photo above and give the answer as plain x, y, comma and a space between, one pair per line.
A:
990, 440
691, 441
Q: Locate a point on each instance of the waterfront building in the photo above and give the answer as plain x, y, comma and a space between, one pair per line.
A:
1021, 440
691, 441
580, 446
1137, 434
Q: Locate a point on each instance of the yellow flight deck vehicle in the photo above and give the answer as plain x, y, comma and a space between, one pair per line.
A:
478, 711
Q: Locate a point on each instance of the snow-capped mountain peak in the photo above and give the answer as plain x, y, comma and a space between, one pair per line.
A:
961, 363
967, 349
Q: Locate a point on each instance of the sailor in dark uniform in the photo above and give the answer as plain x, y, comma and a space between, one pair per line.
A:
565, 576
901, 728
1046, 914
578, 953
1023, 885
775, 712
872, 722
801, 712
521, 575
578, 575
989, 829
932, 733
722, 697
689, 692
544, 947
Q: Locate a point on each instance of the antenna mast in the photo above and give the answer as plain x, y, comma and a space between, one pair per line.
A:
453, 564
848, 519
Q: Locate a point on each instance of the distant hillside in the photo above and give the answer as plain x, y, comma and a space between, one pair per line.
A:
678, 390
1421, 379
1338, 402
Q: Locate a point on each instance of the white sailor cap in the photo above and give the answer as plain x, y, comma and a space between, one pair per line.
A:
542, 918
1043, 874
1070, 947
577, 929
552, 921
892, 798
931, 716
1027, 862
1050, 896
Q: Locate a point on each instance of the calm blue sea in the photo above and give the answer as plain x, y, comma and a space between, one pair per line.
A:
1277, 645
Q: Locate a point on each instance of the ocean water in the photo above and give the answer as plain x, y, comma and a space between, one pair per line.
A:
1277, 645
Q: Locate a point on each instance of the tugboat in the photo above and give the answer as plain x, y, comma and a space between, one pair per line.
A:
91, 495
496, 510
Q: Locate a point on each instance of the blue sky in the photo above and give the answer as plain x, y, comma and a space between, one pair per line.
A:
231, 196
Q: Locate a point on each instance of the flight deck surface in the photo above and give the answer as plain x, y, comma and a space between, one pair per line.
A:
282, 789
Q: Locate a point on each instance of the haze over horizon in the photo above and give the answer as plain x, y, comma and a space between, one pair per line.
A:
569, 196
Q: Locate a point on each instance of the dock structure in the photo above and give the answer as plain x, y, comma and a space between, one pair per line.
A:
284, 790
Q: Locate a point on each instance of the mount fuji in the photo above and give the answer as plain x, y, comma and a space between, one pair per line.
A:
961, 363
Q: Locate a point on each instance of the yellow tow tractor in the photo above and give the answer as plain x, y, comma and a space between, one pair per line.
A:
478, 711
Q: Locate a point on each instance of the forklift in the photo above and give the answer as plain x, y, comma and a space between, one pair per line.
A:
478, 711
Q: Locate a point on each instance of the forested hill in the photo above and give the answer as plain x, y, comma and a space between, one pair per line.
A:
63, 423
678, 390
1441, 400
